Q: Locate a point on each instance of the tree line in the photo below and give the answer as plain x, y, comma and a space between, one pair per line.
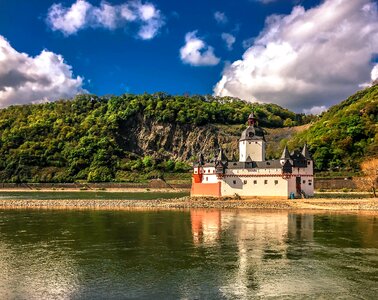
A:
79, 139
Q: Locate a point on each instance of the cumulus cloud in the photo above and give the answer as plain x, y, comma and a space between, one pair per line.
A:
83, 15
229, 39
309, 58
220, 17
374, 73
196, 52
315, 110
26, 79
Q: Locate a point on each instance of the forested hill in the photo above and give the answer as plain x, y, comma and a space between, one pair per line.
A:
346, 134
114, 138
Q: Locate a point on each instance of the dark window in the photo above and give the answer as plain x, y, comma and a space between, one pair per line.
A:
268, 163
245, 181
309, 183
234, 182
304, 181
275, 181
265, 181
308, 162
254, 181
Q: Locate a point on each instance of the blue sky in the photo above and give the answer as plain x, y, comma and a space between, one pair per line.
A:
140, 53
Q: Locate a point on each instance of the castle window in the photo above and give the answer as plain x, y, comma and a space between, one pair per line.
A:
304, 181
268, 163
265, 181
245, 181
275, 182
254, 181
234, 182
308, 162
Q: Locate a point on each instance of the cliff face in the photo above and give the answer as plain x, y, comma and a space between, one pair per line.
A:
146, 137
183, 142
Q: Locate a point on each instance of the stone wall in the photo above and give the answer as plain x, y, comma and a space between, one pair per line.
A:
334, 183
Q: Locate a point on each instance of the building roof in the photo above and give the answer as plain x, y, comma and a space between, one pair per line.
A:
305, 152
285, 154
268, 164
222, 156
252, 133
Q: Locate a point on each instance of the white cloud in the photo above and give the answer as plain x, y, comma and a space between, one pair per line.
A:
104, 16
26, 79
308, 58
229, 39
374, 73
153, 21
196, 52
315, 110
68, 20
220, 17
83, 15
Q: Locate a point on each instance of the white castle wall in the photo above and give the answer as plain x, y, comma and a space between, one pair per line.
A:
254, 149
254, 186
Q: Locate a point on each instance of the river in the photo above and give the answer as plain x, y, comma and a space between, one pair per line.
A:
187, 254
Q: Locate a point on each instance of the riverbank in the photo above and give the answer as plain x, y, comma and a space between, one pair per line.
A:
187, 202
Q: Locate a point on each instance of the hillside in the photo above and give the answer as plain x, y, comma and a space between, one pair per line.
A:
125, 138
345, 134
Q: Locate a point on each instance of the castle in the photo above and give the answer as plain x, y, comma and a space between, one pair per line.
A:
290, 176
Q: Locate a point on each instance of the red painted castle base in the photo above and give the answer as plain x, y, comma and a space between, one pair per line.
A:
208, 189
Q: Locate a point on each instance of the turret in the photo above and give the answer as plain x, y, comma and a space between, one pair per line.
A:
251, 119
305, 152
285, 156
252, 141
222, 158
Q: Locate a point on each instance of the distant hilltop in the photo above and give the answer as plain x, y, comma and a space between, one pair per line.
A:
137, 137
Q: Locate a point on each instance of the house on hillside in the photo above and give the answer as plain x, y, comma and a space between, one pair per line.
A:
253, 175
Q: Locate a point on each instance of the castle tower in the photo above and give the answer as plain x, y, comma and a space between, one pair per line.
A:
252, 142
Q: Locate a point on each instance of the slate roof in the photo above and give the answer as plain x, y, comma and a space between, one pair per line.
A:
252, 133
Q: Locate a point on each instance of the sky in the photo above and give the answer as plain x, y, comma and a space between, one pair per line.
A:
305, 55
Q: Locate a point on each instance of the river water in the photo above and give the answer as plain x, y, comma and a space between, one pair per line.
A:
187, 254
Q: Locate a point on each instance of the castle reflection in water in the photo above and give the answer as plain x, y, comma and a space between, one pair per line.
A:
208, 225
262, 241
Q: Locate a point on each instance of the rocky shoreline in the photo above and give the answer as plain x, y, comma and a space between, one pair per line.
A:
188, 202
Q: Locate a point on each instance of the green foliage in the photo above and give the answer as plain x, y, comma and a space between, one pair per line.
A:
345, 134
83, 138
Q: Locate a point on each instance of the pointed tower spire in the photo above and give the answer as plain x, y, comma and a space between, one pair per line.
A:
251, 119
285, 154
222, 157
305, 152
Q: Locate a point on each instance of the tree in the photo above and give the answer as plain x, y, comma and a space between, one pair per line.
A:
369, 179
